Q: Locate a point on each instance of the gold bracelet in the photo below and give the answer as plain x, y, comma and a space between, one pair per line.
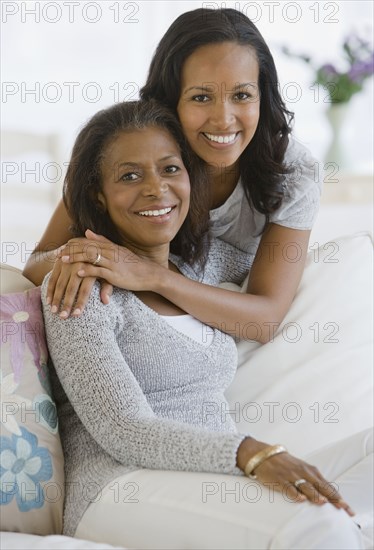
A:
260, 457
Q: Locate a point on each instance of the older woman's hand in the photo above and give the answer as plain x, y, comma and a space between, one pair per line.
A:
297, 480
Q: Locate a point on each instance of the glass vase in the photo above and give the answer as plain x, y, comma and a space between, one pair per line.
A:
336, 115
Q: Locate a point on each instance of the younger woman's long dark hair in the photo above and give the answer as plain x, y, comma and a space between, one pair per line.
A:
83, 181
262, 166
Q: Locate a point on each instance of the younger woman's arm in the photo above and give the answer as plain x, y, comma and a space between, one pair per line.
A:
64, 277
273, 282
43, 257
272, 285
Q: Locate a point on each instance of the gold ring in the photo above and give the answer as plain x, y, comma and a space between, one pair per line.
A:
98, 258
299, 482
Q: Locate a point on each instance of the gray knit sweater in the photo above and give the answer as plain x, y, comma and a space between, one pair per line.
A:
132, 392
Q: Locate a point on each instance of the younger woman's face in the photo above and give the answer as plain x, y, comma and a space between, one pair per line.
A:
146, 187
219, 106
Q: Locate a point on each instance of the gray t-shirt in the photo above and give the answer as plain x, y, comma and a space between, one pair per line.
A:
235, 222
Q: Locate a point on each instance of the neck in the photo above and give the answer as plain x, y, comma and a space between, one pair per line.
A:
156, 254
223, 181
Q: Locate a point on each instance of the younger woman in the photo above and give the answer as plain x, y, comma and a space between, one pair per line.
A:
214, 69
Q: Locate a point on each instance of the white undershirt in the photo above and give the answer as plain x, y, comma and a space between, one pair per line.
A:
192, 327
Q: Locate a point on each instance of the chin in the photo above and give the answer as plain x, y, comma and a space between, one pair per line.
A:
221, 161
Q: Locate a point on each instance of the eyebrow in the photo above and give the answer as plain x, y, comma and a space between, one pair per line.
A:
134, 164
212, 88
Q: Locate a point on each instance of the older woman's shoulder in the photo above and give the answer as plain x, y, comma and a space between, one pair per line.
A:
223, 262
94, 307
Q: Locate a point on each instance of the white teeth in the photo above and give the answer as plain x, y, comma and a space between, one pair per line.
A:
220, 139
155, 212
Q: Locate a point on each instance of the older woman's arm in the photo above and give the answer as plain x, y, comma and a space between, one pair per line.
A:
110, 403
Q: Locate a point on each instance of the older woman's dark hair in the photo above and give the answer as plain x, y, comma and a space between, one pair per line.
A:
262, 166
83, 180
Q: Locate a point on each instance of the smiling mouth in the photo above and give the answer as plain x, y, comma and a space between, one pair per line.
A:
156, 213
219, 138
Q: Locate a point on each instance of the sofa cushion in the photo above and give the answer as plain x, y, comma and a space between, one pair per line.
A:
12, 280
31, 459
313, 383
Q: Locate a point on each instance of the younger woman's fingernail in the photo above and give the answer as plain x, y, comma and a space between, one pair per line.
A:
54, 309
63, 314
77, 311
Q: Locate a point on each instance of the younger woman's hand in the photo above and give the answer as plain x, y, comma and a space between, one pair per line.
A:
67, 292
98, 257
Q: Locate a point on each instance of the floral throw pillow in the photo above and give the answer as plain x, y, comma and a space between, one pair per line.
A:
31, 459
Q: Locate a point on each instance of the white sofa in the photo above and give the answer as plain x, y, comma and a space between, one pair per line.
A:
311, 385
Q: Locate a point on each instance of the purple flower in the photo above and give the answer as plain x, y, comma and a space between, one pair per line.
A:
328, 69
358, 57
361, 69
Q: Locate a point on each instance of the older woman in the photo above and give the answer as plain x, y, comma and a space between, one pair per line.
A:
140, 384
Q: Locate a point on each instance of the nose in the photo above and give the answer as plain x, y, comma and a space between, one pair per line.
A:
222, 114
154, 185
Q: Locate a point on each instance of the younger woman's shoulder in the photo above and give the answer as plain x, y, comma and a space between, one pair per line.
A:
303, 188
297, 153
306, 170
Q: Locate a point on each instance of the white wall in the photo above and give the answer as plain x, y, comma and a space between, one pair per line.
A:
105, 47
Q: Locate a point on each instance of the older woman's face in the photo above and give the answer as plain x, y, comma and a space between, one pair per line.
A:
146, 187
219, 106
